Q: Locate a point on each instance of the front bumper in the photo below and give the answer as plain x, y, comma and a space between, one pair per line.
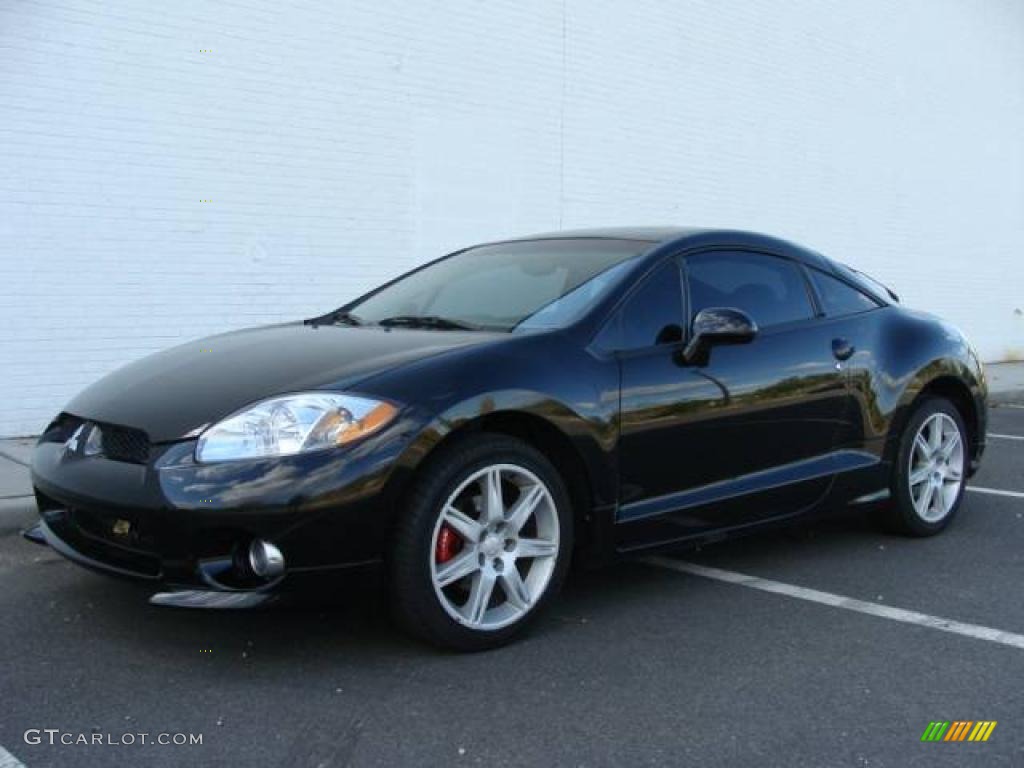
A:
177, 523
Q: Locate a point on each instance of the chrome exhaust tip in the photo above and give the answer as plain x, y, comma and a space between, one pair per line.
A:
265, 559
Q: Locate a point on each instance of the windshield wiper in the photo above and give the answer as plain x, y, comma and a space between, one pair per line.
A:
426, 321
337, 317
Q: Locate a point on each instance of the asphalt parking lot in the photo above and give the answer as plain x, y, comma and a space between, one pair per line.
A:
637, 664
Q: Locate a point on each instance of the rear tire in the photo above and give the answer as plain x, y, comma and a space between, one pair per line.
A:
483, 544
930, 472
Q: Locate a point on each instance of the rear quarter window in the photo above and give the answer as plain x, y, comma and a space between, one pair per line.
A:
839, 298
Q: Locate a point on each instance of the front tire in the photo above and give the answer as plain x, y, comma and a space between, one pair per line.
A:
483, 544
930, 474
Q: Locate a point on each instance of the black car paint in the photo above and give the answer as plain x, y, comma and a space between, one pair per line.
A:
181, 389
658, 450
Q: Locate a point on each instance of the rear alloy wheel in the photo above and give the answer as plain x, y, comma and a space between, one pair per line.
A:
484, 545
931, 470
936, 470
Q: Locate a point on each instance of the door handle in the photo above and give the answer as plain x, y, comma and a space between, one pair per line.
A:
842, 349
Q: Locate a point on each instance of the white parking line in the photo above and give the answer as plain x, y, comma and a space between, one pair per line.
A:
1004, 437
995, 491
839, 601
7, 760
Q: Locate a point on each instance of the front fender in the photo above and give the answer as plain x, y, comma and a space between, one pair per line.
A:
592, 435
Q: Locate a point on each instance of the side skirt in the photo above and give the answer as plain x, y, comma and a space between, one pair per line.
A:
835, 463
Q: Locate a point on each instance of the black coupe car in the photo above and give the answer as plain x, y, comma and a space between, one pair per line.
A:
481, 421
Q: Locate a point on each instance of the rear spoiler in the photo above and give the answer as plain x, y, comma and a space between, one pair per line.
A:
876, 285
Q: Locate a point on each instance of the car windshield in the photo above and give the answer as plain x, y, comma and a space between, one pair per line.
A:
524, 285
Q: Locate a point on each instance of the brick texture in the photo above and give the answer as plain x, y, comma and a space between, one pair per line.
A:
338, 144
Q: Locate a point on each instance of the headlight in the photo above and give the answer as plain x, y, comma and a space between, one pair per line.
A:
290, 424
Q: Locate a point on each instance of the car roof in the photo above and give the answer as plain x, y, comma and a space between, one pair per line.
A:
693, 237
648, 234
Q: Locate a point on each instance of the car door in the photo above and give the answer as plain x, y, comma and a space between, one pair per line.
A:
853, 320
745, 433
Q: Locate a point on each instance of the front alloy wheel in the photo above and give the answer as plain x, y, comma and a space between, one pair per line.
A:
483, 543
494, 546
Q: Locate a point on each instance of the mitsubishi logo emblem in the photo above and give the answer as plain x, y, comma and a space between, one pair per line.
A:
71, 446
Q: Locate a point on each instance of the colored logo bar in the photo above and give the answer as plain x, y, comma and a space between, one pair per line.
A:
958, 730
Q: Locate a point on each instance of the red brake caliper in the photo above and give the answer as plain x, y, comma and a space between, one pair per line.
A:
448, 544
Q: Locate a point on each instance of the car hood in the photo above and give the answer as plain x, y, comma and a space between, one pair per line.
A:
175, 392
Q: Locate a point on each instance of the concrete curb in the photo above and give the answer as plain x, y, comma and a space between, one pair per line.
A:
17, 514
15, 459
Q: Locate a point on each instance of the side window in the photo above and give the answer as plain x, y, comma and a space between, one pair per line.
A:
769, 289
838, 298
653, 314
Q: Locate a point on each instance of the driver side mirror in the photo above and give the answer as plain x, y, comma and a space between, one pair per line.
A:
718, 325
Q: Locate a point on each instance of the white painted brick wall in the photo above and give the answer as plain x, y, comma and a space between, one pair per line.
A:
342, 143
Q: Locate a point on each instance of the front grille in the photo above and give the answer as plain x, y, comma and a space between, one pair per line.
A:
60, 429
125, 444
117, 443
